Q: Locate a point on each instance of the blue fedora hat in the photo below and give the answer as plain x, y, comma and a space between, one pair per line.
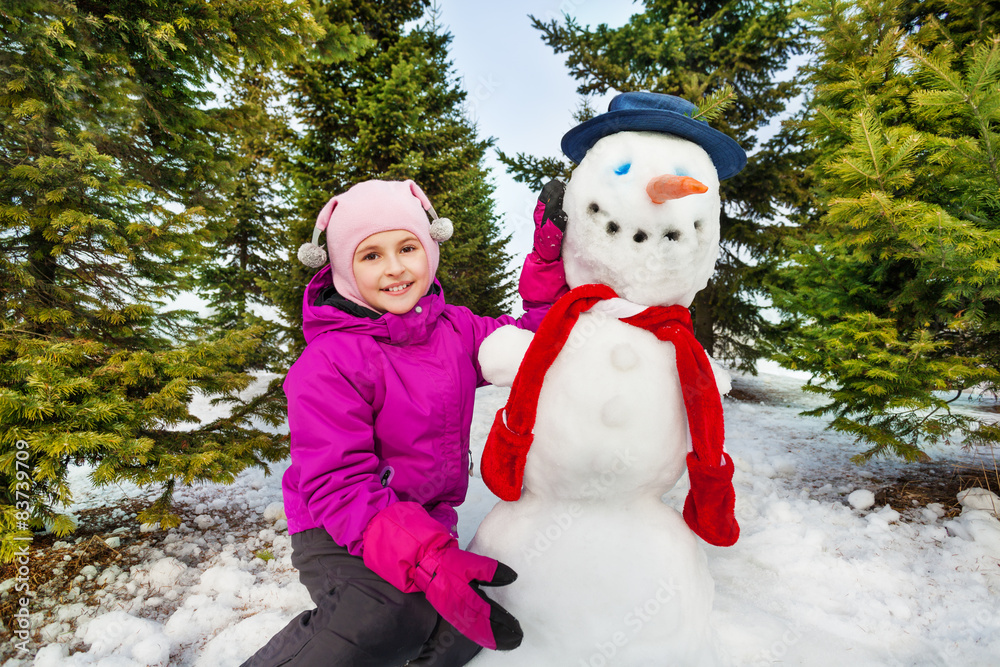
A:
656, 112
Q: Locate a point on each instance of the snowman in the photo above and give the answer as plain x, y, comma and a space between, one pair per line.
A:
611, 401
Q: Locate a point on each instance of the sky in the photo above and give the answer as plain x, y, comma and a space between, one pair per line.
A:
519, 91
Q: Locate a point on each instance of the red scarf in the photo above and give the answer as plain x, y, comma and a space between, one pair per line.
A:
709, 506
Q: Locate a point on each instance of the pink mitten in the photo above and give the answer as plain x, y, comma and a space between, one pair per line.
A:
543, 279
413, 552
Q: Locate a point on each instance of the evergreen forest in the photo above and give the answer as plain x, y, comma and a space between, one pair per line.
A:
156, 149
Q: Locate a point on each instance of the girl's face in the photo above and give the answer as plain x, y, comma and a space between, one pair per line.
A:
391, 271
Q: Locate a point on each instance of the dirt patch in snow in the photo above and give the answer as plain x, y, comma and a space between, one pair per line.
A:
57, 564
921, 484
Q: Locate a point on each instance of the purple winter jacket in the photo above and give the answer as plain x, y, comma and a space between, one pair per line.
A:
380, 411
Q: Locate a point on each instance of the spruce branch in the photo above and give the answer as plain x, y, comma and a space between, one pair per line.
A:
715, 104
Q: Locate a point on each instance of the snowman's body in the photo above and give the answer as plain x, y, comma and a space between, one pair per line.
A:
598, 554
608, 574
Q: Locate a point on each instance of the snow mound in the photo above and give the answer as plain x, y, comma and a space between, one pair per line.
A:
274, 512
117, 639
861, 499
980, 499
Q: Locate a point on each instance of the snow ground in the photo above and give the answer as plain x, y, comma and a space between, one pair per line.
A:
816, 579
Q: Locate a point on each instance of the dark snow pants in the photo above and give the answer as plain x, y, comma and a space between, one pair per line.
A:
360, 619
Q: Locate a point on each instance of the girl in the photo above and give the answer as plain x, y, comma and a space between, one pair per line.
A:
380, 408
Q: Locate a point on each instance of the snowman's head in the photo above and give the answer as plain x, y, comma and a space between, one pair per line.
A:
643, 218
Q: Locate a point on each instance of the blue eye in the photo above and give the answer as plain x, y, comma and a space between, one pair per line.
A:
622, 170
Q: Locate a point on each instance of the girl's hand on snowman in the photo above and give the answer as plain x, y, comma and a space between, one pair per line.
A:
413, 552
543, 279
550, 221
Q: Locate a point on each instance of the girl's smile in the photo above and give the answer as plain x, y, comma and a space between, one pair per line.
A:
391, 271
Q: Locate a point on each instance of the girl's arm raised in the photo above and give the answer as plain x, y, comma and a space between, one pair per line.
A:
542, 282
543, 278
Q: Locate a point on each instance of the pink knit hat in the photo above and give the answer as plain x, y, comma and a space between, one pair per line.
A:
369, 208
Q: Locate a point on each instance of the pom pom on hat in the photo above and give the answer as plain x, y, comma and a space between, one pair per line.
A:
312, 254
441, 228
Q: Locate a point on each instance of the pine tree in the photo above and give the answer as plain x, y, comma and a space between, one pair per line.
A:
396, 112
112, 161
896, 283
243, 253
696, 50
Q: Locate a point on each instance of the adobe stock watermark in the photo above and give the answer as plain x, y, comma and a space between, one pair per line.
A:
633, 622
523, 219
443, 477
479, 92
586, 327
983, 624
778, 650
565, 7
593, 489
21, 621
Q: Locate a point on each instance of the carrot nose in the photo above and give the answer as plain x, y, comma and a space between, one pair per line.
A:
666, 187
